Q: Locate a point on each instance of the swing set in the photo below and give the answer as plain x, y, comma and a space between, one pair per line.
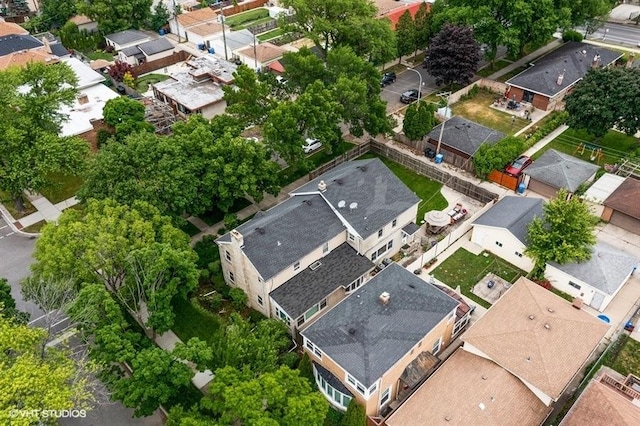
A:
596, 152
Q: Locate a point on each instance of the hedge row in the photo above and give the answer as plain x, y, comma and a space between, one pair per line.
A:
557, 118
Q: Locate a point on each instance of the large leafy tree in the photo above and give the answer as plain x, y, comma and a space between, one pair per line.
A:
249, 98
54, 13
132, 250
303, 68
604, 98
423, 22
453, 55
31, 150
34, 380
126, 116
418, 120
8, 304
406, 34
117, 15
564, 233
278, 398
331, 23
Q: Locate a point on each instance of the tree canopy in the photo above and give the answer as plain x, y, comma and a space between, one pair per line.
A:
249, 98
117, 15
126, 116
31, 150
418, 120
453, 55
604, 98
564, 234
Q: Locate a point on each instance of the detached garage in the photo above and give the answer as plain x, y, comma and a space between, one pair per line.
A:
555, 170
622, 207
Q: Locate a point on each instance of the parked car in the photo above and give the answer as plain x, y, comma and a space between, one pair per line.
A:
388, 78
518, 165
409, 96
425, 62
311, 145
281, 80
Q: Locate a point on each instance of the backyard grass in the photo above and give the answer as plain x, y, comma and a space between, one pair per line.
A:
193, 322
99, 54
216, 215
65, 187
246, 17
511, 73
615, 145
491, 68
9, 204
465, 269
190, 229
315, 160
143, 83
478, 109
271, 34
628, 359
35, 228
428, 190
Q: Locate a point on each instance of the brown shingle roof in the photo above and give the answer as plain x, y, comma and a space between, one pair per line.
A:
625, 198
470, 390
80, 19
208, 28
599, 405
196, 17
537, 336
22, 58
8, 28
265, 52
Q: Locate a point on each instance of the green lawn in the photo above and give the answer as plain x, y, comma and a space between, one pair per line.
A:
478, 109
65, 187
271, 34
428, 190
99, 54
35, 228
216, 215
615, 145
9, 204
628, 359
143, 83
465, 269
510, 74
192, 322
497, 66
315, 160
246, 17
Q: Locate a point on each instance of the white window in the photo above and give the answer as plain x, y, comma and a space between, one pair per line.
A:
574, 285
353, 286
283, 316
518, 254
385, 396
436, 346
360, 388
339, 399
296, 266
260, 301
352, 237
350, 379
373, 388
227, 255
498, 243
232, 277
313, 349
380, 232
394, 223
460, 325
325, 248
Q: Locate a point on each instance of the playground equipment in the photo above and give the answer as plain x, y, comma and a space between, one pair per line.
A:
596, 152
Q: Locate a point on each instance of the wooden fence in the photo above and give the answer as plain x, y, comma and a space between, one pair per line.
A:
146, 67
504, 179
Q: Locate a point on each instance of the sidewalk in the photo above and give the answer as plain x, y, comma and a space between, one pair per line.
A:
45, 211
542, 142
168, 342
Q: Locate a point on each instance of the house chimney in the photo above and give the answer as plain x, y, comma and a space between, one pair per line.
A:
47, 46
237, 238
384, 298
322, 186
560, 78
83, 98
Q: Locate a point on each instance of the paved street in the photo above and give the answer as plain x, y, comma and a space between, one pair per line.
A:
407, 80
625, 35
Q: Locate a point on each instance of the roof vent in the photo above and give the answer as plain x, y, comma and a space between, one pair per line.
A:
352, 331
353, 206
315, 265
339, 181
322, 186
363, 168
482, 406
447, 419
484, 377
528, 358
547, 326
341, 204
532, 317
260, 230
560, 78
279, 243
412, 286
308, 202
550, 310
384, 298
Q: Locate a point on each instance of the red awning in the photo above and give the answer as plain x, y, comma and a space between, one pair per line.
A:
276, 66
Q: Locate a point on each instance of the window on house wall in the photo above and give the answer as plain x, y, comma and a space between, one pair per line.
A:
354, 285
394, 223
360, 388
296, 266
389, 245
351, 237
574, 285
311, 312
283, 316
518, 254
460, 325
227, 255
325, 248
351, 380
385, 396
300, 321
232, 277
323, 303
260, 301
380, 232
498, 243
373, 388
436, 346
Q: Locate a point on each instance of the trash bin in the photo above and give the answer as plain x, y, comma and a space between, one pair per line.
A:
439, 158
161, 31
521, 188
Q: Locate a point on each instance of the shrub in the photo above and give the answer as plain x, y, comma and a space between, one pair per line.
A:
255, 316
557, 119
215, 267
215, 301
230, 220
418, 120
290, 359
103, 136
222, 231
355, 415
571, 35
238, 298
492, 157
306, 369
207, 251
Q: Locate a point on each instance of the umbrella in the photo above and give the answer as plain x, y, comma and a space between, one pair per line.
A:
437, 218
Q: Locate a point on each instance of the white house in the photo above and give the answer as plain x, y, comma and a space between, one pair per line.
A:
597, 280
146, 52
124, 39
502, 229
197, 26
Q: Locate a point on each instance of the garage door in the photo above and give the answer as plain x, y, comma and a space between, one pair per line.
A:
625, 222
542, 188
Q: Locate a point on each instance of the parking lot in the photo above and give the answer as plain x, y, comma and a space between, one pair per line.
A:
407, 80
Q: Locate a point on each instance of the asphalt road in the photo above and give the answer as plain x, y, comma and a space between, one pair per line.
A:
407, 80
625, 35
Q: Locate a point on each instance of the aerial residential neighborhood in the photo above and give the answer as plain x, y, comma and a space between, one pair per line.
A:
304, 212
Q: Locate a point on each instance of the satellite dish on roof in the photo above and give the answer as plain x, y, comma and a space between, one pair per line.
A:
353, 206
341, 204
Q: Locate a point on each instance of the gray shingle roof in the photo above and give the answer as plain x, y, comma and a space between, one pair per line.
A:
339, 268
380, 196
465, 135
59, 50
410, 228
277, 238
365, 337
155, 46
561, 170
130, 51
512, 213
127, 36
605, 270
15, 43
568, 60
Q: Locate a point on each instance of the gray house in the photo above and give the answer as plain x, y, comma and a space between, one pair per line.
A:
461, 139
555, 170
127, 38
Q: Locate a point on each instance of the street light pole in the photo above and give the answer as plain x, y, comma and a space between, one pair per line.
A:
419, 84
446, 111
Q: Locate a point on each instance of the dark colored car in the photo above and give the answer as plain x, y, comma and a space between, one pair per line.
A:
518, 165
409, 96
388, 78
425, 62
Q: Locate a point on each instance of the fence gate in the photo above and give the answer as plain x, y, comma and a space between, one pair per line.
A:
504, 179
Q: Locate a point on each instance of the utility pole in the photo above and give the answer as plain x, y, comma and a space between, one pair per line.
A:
224, 34
420, 83
444, 95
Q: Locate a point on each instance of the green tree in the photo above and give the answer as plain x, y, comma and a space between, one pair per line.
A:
94, 308
8, 304
117, 15
159, 17
157, 377
126, 116
196, 351
355, 415
31, 149
56, 13
35, 381
604, 98
248, 99
406, 34
278, 398
564, 234
303, 68
423, 22
453, 55
496, 156
418, 120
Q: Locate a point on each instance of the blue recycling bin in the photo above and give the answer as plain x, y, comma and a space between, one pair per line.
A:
161, 32
211, 50
521, 188
439, 158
